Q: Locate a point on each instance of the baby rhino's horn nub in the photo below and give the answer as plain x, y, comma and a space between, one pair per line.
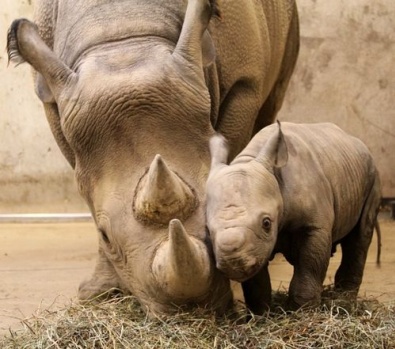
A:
162, 195
182, 264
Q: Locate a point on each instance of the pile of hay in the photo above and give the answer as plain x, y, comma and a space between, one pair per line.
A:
120, 323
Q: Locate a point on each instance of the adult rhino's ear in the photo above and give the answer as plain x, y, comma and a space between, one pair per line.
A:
219, 151
42, 89
274, 153
24, 44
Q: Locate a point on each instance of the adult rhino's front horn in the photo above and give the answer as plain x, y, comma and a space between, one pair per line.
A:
182, 266
162, 195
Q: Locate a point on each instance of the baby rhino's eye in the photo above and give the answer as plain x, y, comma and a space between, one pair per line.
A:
266, 224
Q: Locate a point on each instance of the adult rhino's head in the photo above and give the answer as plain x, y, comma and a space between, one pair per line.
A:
244, 206
133, 119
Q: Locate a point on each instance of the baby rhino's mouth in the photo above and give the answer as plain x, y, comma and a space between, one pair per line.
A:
239, 269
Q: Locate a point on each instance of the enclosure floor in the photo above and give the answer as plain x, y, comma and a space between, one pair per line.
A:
41, 266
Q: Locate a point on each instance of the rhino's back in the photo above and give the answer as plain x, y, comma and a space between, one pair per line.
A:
348, 168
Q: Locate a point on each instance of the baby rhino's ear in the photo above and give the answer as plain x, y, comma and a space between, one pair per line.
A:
274, 153
218, 151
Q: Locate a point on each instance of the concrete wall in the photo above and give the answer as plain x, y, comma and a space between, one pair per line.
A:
345, 74
34, 176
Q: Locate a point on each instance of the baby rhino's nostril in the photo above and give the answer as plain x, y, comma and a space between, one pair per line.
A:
230, 241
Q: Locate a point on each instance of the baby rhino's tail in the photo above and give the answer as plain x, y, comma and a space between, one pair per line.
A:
378, 232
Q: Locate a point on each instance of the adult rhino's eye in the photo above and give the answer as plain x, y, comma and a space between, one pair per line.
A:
266, 224
104, 236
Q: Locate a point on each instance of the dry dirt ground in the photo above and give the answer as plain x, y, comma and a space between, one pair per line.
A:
41, 266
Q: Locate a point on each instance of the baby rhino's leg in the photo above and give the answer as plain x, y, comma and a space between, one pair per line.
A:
311, 256
257, 292
355, 247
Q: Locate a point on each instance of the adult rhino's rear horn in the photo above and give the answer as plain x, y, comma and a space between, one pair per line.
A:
162, 195
182, 265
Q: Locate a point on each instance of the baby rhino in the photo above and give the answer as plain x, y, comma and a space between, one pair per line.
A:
300, 193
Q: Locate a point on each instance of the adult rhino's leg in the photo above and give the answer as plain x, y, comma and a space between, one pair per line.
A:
311, 259
355, 246
273, 103
104, 279
257, 292
239, 108
244, 117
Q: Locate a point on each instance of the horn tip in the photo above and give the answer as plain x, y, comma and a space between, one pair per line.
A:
175, 221
158, 160
175, 226
177, 233
158, 164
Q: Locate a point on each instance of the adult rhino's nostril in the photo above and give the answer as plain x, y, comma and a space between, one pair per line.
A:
230, 241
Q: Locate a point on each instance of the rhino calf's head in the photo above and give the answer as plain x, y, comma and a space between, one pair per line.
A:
244, 206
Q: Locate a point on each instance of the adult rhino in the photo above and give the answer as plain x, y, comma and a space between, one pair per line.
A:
124, 81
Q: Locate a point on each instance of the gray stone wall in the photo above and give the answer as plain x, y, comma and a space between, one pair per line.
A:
34, 176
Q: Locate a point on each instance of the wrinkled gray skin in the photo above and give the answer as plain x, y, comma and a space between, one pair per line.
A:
300, 193
123, 81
